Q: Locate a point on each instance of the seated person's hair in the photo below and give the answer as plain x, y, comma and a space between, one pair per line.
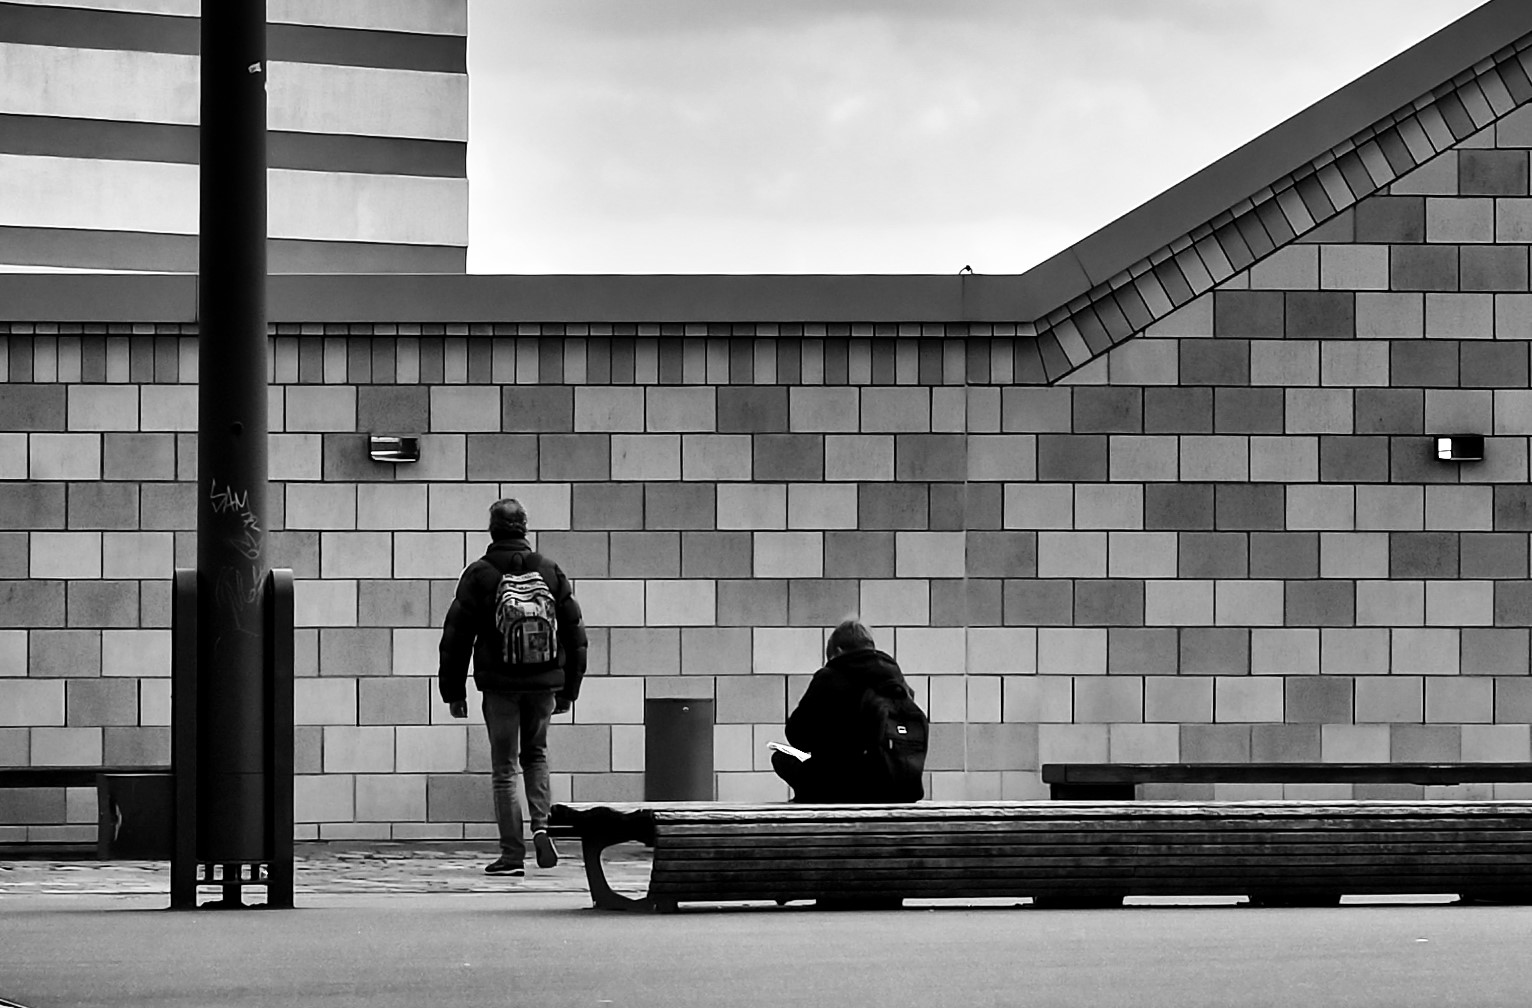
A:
850, 635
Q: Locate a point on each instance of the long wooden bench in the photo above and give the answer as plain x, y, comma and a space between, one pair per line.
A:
1119, 781
134, 810
1275, 852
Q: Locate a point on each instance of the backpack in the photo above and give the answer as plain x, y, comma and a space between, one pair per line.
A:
527, 617
898, 731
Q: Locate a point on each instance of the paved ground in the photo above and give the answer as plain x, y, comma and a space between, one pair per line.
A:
353, 868
386, 925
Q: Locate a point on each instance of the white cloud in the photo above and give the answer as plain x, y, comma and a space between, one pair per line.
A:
874, 135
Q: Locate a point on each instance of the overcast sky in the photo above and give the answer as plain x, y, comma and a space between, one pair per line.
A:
873, 136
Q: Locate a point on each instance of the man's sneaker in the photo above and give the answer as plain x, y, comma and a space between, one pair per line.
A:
547, 854
505, 866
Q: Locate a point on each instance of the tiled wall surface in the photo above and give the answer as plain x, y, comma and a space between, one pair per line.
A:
1226, 539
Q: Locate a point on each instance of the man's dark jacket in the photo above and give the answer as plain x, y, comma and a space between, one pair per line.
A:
470, 629
827, 723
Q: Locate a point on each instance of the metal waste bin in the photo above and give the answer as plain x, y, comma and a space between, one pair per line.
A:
136, 816
678, 749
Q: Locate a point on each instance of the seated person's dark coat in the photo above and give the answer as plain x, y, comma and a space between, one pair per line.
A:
827, 723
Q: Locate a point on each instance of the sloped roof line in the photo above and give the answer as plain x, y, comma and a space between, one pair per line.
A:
1281, 212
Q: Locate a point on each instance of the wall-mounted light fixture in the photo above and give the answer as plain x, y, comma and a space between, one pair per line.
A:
1460, 448
393, 448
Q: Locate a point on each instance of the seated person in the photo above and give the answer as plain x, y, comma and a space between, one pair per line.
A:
836, 723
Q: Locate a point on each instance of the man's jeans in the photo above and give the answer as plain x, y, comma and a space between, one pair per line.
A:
518, 725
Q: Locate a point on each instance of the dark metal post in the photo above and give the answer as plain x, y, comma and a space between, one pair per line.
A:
231, 437
183, 738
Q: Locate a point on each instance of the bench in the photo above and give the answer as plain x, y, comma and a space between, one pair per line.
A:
1119, 781
1275, 852
135, 810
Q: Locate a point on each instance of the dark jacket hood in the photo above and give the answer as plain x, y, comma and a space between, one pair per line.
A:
865, 668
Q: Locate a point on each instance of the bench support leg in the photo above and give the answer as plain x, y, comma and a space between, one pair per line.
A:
601, 893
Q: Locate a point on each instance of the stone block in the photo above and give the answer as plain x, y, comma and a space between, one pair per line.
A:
1319, 410
1115, 603
1390, 316
1214, 458
708, 651
786, 651
59, 654
868, 457
1423, 555
465, 797
1353, 459
608, 408
1249, 507
103, 604
1284, 651
1318, 699
320, 506
103, 407
1220, 651
898, 507
1071, 554
1072, 458
679, 603
30, 408
1036, 409
393, 409
751, 699
677, 409
324, 603
895, 603
1494, 268
1002, 650
1359, 651
745, 603
574, 457
1142, 554
98, 702
1285, 743
720, 554
823, 410
1284, 362
1108, 410
1248, 603
1295, 267
1178, 700
1254, 314
1390, 508
1247, 699
1460, 221
1459, 699
751, 409
1220, 362
724, 457
1108, 699
501, 457
799, 457
522, 409
1179, 410
1178, 507
1144, 361
645, 554
821, 601
1144, 459
1178, 603
326, 701
428, 748
1492, 172
1424, 267
929, 554
320, 408
1075, 651
1029, 602
1460, 603
1391, 220
1389, 411
1328, 314
896, 410
1321, 508
1284, 459
1390, 603
1389, 699
676, 506
752, 506
1494, 652
1212, 555
64, 456
1248, 410
1460, 316
1215, 743
607, 506
930, 457
1037, 699
1425, 651
174, 408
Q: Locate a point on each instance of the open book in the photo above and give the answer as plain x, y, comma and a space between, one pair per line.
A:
783, 747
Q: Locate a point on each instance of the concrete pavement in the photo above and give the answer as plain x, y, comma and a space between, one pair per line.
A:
432, 936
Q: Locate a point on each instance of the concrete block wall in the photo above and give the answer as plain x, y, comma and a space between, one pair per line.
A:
1225, 539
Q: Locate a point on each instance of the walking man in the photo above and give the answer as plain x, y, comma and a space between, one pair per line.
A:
516, 614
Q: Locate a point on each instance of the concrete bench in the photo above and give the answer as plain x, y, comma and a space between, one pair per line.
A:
1119, 781
134, 806
1275, 852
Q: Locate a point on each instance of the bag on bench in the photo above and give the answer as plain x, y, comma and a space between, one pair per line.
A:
898, 732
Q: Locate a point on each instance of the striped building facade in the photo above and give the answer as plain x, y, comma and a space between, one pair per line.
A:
368, 117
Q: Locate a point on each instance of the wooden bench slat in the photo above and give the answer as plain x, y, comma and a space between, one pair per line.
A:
1287, 773
1192, 860
871, 853
683, 845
